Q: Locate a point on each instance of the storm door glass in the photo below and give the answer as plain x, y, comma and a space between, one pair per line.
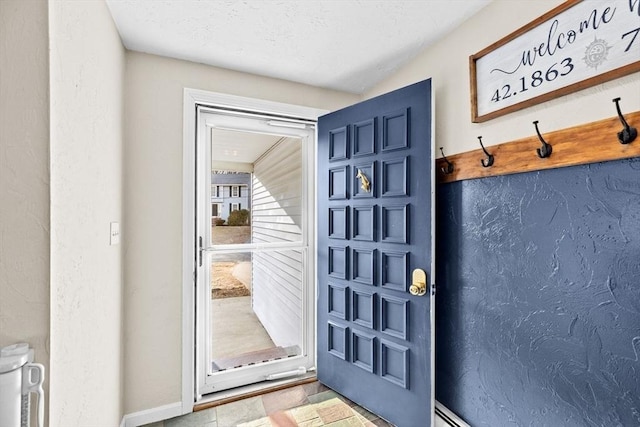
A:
254, 268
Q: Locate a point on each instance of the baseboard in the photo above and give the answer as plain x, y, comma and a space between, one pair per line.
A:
449, 416
152, 415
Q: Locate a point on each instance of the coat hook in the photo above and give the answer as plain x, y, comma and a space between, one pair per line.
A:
628, 134
545, 150
489, 160
449, 169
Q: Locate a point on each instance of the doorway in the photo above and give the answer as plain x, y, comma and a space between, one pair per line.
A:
254, 234
295, 122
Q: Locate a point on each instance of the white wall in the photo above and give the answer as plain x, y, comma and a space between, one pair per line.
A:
24, 176
447, 62
87, 77
153, 208
276, 216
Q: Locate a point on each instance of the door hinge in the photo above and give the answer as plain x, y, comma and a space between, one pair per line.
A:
433, 289
200, 250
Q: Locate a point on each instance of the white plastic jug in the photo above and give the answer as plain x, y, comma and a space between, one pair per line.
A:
18, 378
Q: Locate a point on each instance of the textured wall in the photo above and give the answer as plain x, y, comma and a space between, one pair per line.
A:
24, 176
538, 307
87, 78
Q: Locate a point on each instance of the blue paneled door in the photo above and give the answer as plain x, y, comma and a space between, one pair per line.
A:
375, 198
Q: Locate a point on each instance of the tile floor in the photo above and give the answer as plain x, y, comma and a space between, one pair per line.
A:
254, 408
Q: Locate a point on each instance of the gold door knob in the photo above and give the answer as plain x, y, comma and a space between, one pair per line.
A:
419, 283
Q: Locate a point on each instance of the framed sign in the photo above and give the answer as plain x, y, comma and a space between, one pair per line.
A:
579, 44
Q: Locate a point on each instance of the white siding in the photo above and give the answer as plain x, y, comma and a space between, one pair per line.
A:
276, 217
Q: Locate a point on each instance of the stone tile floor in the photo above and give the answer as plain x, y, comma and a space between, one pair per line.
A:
254, 408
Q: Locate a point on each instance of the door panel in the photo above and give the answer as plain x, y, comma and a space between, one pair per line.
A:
374, 227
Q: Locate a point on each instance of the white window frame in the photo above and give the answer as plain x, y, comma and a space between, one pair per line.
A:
192, 98
235, 191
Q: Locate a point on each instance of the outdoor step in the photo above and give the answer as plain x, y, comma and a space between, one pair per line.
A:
250, 358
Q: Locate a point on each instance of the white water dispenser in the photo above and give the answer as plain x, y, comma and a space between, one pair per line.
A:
19, 377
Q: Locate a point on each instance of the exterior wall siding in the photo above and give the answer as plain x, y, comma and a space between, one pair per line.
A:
276, 217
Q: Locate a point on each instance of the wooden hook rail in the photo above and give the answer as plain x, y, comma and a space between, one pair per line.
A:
588, 143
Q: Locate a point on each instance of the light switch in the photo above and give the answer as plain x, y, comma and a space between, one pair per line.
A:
115, 233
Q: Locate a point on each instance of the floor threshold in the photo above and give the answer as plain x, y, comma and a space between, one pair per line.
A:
252, 390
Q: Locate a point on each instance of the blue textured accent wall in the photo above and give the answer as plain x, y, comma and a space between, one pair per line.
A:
538, 305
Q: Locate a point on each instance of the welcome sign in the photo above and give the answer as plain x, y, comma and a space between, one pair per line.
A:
574, 46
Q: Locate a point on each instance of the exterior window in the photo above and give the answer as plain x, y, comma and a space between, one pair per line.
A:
235, 191
234, 207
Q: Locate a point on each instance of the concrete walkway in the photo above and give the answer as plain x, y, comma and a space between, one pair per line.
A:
235, 328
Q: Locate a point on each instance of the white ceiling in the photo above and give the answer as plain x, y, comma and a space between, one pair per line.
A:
240, 147
348, 45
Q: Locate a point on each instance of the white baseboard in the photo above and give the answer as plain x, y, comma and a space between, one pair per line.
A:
152, 415
449, 416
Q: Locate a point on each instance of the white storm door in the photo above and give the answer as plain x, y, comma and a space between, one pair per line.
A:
270, 251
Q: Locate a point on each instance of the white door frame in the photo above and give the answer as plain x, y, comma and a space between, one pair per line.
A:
193, 98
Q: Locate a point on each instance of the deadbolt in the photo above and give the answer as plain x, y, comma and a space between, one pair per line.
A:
419, 282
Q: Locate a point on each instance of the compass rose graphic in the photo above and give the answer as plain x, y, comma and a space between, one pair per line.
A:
596, 53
